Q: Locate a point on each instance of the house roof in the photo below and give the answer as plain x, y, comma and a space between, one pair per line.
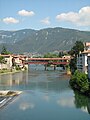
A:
13, 55
6, 55
86, 51
87, 44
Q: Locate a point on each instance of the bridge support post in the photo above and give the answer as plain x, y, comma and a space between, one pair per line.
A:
54, 67
45, 67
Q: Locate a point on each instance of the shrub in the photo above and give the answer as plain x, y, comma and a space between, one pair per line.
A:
17, 67
79, 81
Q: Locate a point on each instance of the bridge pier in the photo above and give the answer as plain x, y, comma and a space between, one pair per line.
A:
54, 67
45, 67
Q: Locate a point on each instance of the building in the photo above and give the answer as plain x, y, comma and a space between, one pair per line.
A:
89, 67
8, 62
82, 63
87, 46
19, 60
11, 60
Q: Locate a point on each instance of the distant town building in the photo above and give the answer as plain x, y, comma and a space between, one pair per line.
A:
87, 46
11, 60
8, 62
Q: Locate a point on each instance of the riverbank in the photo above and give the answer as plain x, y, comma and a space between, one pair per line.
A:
11, 72
79, 81
6, 93
76, 88
7, 96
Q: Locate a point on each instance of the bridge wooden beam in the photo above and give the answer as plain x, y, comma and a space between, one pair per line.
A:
48, 59
45, 63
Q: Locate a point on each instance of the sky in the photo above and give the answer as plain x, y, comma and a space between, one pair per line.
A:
39, 14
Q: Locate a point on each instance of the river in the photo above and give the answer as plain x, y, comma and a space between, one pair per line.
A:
46, 96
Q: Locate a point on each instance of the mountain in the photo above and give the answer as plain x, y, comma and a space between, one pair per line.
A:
42, 41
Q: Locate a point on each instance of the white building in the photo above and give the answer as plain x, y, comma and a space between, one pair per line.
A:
19, 60
82, 63
8, 62
87, 46
89, 67
10, 59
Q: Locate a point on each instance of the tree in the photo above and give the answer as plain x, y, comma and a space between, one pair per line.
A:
79, 46
50, 55
4, 51
61, 54
73, 64
2, 60
79, 81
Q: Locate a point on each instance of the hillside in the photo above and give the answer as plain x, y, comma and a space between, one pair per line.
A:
42, 41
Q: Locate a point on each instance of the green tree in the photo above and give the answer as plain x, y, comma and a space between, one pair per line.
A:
79, 46
73, 64
4, 51
61, 54
50, 55
2, 60
79, 81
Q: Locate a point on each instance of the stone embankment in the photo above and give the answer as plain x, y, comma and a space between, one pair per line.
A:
7, 96
9, 93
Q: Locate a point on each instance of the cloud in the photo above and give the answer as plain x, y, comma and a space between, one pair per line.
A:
84, 109
26, 13
46, 21
25, 105
66, 102
8, 20
80, 18
46, 98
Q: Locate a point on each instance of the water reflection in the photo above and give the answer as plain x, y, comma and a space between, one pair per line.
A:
41, 80
66, 102
26, 105
13, 79
46, 96
82, 102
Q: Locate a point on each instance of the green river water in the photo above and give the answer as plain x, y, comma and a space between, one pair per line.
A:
46, 96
